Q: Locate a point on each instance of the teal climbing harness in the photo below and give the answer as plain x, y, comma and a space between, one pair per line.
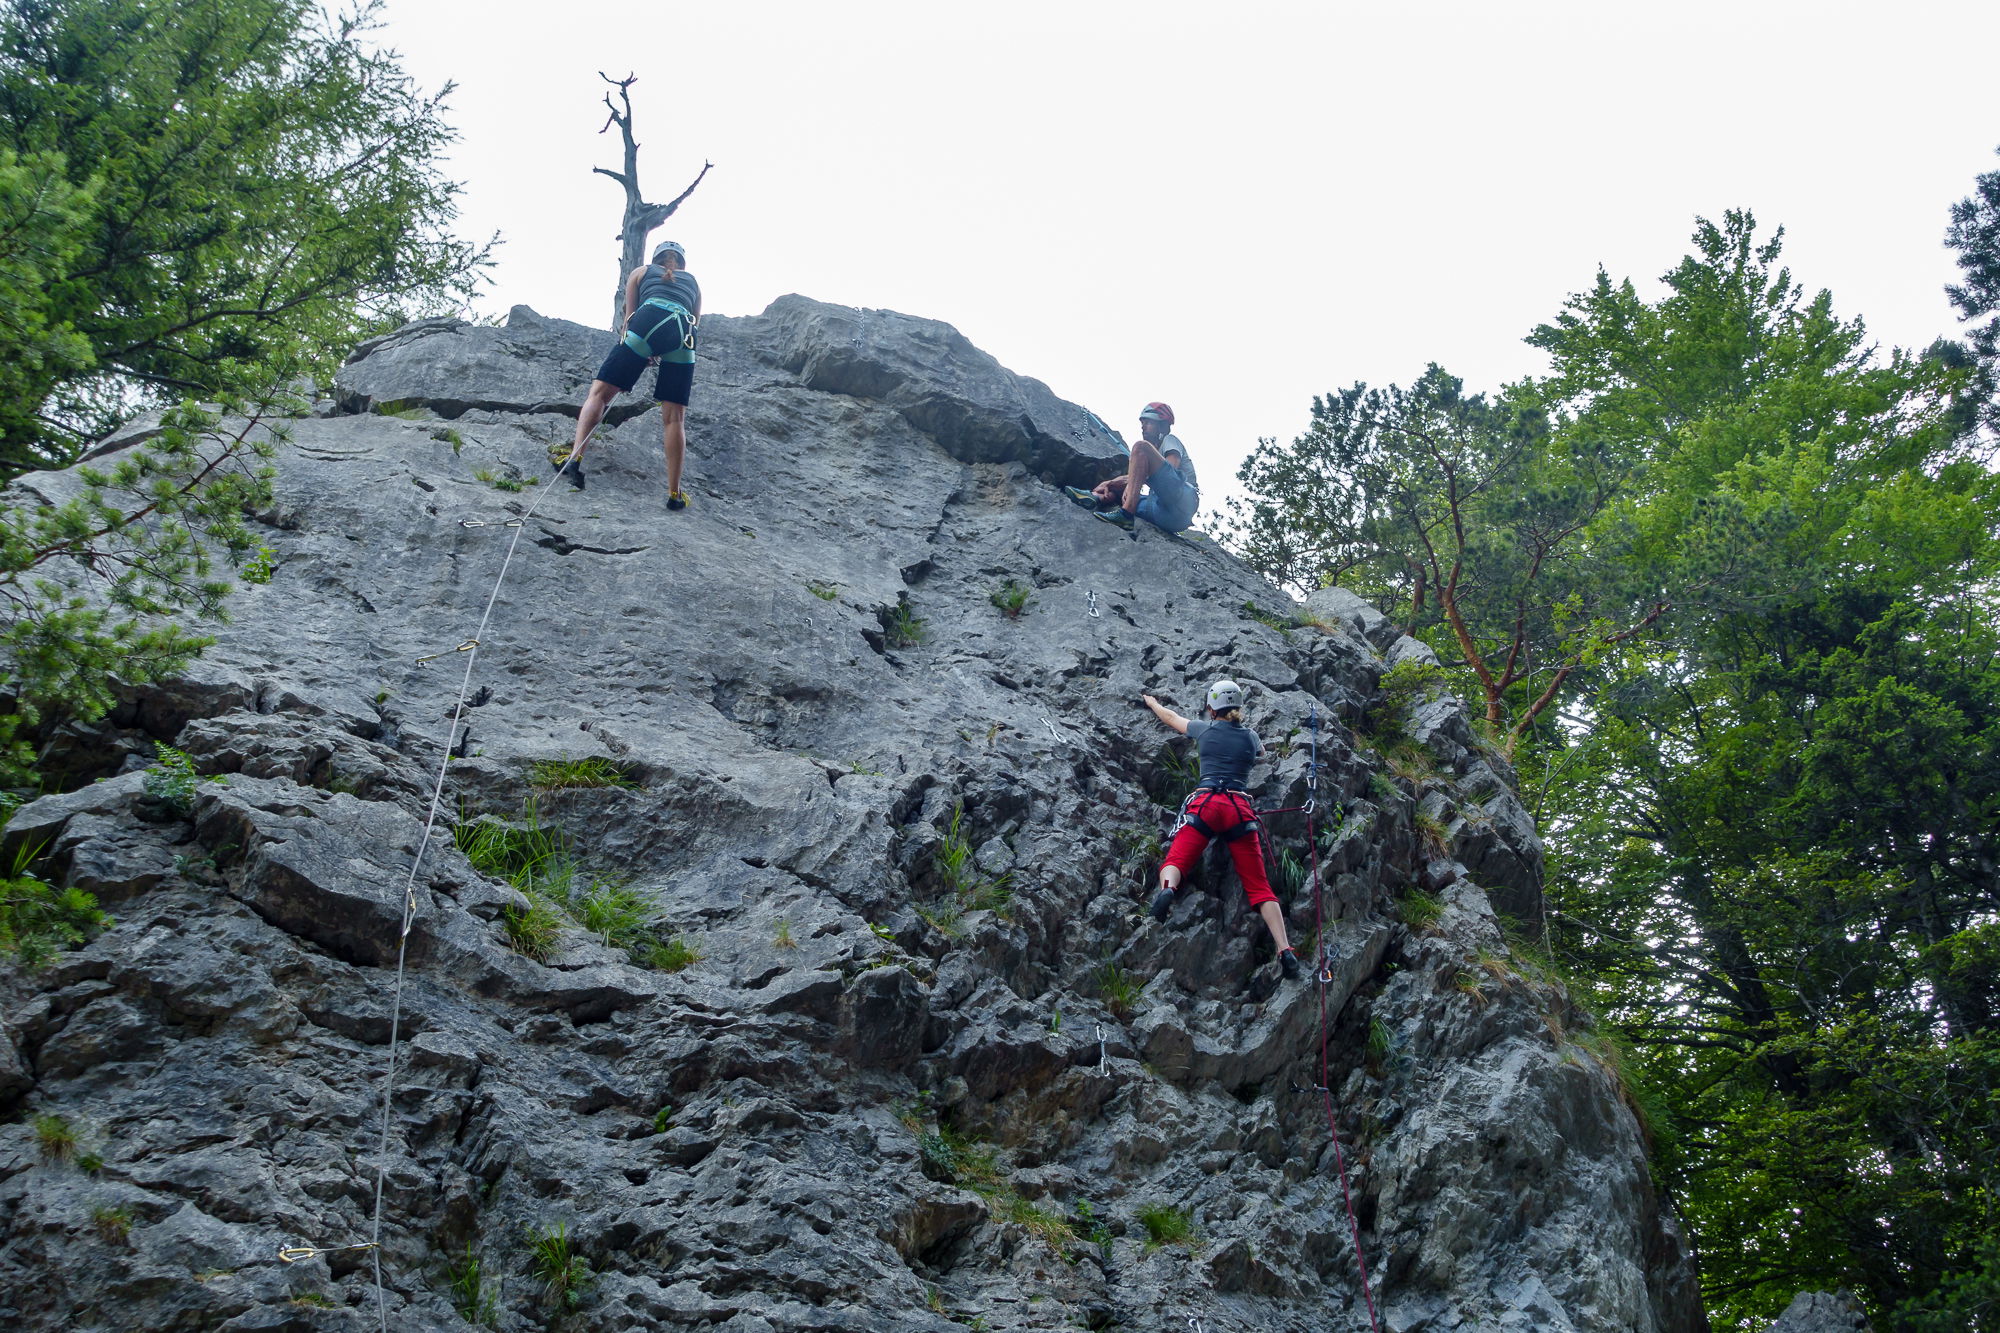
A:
676, 314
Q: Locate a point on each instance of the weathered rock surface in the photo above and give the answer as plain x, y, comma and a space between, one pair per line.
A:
1821, 1312
842, 1115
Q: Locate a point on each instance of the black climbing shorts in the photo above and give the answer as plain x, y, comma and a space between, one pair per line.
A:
673, 383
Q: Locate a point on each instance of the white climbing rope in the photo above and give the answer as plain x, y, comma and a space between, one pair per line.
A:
470, 647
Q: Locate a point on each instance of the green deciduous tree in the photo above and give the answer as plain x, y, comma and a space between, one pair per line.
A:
1775, 814
1466, 516
1773, 796
251, 188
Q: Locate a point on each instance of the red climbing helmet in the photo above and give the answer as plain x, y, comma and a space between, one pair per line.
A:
1157, 412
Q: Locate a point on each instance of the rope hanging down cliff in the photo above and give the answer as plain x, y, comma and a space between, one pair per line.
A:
470, 647
1325, 973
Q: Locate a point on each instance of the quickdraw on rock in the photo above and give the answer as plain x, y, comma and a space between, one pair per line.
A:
293, 1254
465, 647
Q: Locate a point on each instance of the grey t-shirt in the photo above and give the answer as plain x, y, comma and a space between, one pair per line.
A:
1228, 750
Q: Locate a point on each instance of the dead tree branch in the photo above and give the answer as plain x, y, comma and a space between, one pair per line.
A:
640, 218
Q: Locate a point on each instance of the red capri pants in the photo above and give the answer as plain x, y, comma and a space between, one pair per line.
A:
1222, 811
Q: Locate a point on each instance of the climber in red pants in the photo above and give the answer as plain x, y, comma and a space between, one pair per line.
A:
1219, 807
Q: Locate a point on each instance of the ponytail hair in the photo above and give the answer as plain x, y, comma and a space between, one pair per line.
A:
1228, 714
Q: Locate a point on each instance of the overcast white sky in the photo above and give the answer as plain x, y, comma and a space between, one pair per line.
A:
1228, 206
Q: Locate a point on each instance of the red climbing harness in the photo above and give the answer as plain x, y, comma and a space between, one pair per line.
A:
1220, 814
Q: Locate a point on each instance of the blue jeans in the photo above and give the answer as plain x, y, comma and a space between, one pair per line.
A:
1168, 502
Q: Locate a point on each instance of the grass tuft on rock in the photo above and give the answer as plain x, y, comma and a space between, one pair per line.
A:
1165, 1224
1011, 598
554, 1262
567, 773
473, 1294
673, 955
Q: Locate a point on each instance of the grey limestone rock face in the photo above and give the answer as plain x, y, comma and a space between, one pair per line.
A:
1821, 1312
930, 1064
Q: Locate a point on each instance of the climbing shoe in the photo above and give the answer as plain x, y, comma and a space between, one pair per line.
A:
1288, 963
1163, 903
572, 472
1118, 518
677, 500
1077, 495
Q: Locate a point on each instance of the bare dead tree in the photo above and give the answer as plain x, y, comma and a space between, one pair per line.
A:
640, 217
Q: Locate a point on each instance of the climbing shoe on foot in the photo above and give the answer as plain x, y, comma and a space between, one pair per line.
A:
1077, 495
1288, 963
1163, 903
677, 500
1118, 518
572, 473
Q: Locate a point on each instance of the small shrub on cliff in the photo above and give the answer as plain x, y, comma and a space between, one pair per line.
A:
1275, 619
1411, 762
1091, 1227
38, 921
172, 780
947, 1155
1402, 688
1166, 1225
970, 889
901, 627
1288, 874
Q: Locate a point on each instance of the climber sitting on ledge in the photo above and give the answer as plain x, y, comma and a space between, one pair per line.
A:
1219, 807
662, 308
1160, 466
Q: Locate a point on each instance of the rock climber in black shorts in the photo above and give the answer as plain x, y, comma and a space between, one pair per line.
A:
662, 308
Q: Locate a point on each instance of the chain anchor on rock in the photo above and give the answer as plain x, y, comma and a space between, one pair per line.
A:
1090, 595
1103, 1053
483, 523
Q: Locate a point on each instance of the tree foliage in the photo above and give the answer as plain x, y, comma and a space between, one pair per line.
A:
206, 196
98, 579
1468, 515
1773, 796
1975, 233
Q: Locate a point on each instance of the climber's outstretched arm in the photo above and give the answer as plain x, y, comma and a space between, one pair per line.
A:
1165, 714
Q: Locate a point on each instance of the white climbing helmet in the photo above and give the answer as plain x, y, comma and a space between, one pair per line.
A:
673, 248
1225, 695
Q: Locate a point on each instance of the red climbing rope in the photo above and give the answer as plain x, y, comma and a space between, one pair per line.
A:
1325, 977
